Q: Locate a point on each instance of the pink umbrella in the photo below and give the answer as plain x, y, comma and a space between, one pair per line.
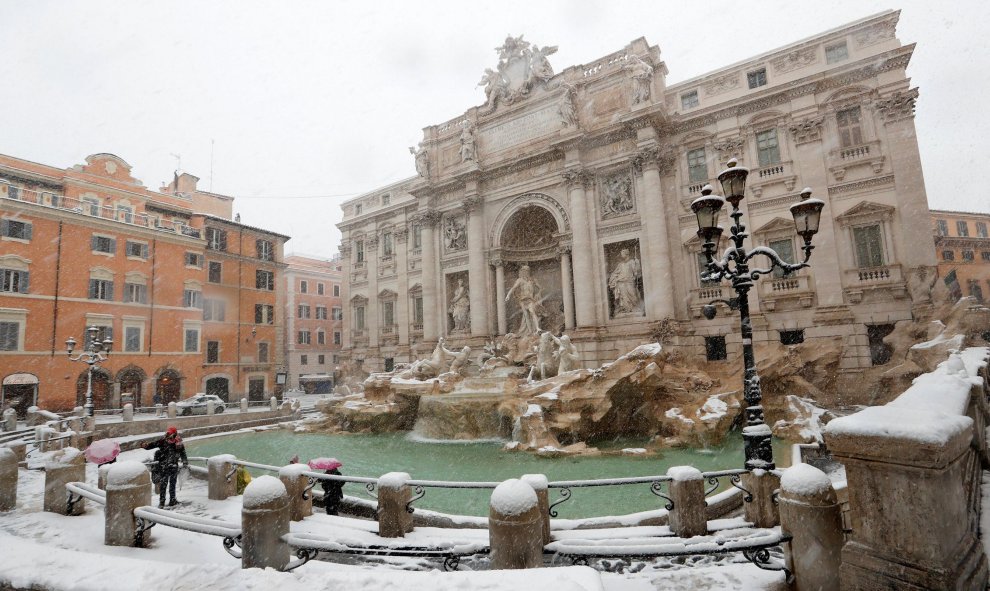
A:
324, 463
102, 451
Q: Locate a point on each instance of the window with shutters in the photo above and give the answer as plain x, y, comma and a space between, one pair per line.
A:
962, 228
303, 337
321, 312
320, 289
943, 227
321, 359
321, 337
767, 147
697, 165
90, 206
191, 340
337, 313
715, 348
303, 311
981, 229
265, 250
214, 309
104, 244
262, 352
216, 239
125, 214
192, 298
135, 293
10, 336
14, 280
15, 229
359, 317
100, 289
388, 313
869, 246
264, 280
850, 130
213, 351
303, 286
336, 338
136, 249
103, 332
387, 244
264, 314
304, 360
194, 259
215, 274
785, 248
336, 291
359, 251
132, 339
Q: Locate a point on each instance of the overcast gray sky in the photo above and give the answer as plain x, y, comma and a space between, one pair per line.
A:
322, 99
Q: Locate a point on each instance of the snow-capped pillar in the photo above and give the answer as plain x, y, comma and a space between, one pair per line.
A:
220, 480
171, 410
244, 404
68, 465
914, 489
211, 407
515, 530
761, 511
811, 514
264, 522
295, 483
273, 403
128, 487
394, 495
127, 414
687, 492
19, 448
8, 479
540, 486
10, 420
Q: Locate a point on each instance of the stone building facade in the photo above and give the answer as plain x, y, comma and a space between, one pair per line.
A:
585, 178
962, 244
314, 319
166, 274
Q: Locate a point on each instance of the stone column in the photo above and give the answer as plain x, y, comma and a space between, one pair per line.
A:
171, 410
688, 518
372, 316
429, 220
128, 487
273, 404
8, 479
810, 512
515, 530
477, 273
567, 286
914, 489
219, 485
264, 520
127, 414
503, 322
65, 466
394, 521
402, 316
658, 275
761, 511
295, 483
244, 404
581, 247
539, 484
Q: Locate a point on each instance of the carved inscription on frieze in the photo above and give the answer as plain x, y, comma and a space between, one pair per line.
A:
519, 130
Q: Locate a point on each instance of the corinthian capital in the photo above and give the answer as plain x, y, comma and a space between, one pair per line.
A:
898, 106
472, 203
578, 177
427, 219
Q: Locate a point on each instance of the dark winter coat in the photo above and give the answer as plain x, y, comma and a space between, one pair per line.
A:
332, 493
172, 452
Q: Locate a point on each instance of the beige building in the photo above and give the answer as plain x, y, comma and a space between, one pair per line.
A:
314, 322
585, 177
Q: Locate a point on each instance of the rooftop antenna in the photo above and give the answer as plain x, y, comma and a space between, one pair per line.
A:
178, 161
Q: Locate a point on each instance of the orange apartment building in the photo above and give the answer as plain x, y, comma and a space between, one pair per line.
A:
166, 274
314, 322
962, 242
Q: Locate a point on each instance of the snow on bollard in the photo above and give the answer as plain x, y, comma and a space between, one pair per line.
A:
264, 520
171, 410
220, 481
8, 479
101, 476
244, 405
63, 467
19, 448
515, 530
128, 486
295, 483
127, 414
211, 407
79, 411
687, 493
273, 403
540, 486
810, 512
10, 420
394, 521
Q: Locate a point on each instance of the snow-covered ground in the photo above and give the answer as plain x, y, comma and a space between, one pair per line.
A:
49, 551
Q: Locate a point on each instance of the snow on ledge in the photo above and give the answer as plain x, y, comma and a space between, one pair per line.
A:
513, 497
804, 480
263, 490
684, 473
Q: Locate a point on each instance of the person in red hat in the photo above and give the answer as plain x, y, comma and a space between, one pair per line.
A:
172, 451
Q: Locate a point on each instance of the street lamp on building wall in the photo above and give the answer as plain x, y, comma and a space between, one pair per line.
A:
734, 265
94, 353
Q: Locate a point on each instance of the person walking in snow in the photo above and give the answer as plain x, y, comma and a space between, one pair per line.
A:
332, 493
172, 451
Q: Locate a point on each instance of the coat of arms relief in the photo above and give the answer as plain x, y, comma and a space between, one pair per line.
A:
520, 66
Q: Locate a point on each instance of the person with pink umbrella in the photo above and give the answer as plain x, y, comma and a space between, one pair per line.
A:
103, 451
332, 489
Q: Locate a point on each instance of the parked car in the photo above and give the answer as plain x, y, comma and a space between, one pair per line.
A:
197, 404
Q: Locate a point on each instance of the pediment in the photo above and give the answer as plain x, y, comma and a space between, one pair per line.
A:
109, 165
865, 209
387, 294
777, 224
359, 299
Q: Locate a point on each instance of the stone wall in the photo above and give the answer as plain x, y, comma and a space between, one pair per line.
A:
186, 425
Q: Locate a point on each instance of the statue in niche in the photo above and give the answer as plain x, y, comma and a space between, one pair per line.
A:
642, 75
527, 292
454, 235
616, 195
467, 141
422, 160
540, 68
568, 356
566, 107
623, 282
460, 308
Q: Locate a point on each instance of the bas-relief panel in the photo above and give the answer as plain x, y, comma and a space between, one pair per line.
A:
454, 233
625, 279
616, 194
550, 302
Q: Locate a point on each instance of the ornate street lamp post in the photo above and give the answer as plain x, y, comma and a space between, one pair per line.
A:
734, 265
94, 353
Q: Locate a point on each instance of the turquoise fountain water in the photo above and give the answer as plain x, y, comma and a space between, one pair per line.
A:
374, 455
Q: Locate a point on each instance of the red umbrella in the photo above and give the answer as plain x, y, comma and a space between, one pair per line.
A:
324, 463
102, 451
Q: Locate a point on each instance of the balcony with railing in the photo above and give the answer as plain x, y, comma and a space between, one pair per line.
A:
790, 291
700, 296
771, 174
842, 160
865, 280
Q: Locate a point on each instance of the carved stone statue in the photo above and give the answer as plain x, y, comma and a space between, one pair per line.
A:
460, 308
461, 359
467, 141
566, 107
922, 282
642, 75
511, 48
425, 369
454, 236
616, 196
527, 292
540, 68
569, 358
545, 354
622, 281
422, 160
494, 85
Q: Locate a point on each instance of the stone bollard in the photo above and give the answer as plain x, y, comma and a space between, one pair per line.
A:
810, 512
75, 424
89, 424
101, 476
211, 407
244, 405
273, 403
687, 491
128, 487
159, 409
761, 511
10, 420
128, 413
394, 521
295, 483
539, 484
264, 520
45, 437
515, 530
19, 448
79, 411
68, 465
171, 410
8, 479
219, 480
